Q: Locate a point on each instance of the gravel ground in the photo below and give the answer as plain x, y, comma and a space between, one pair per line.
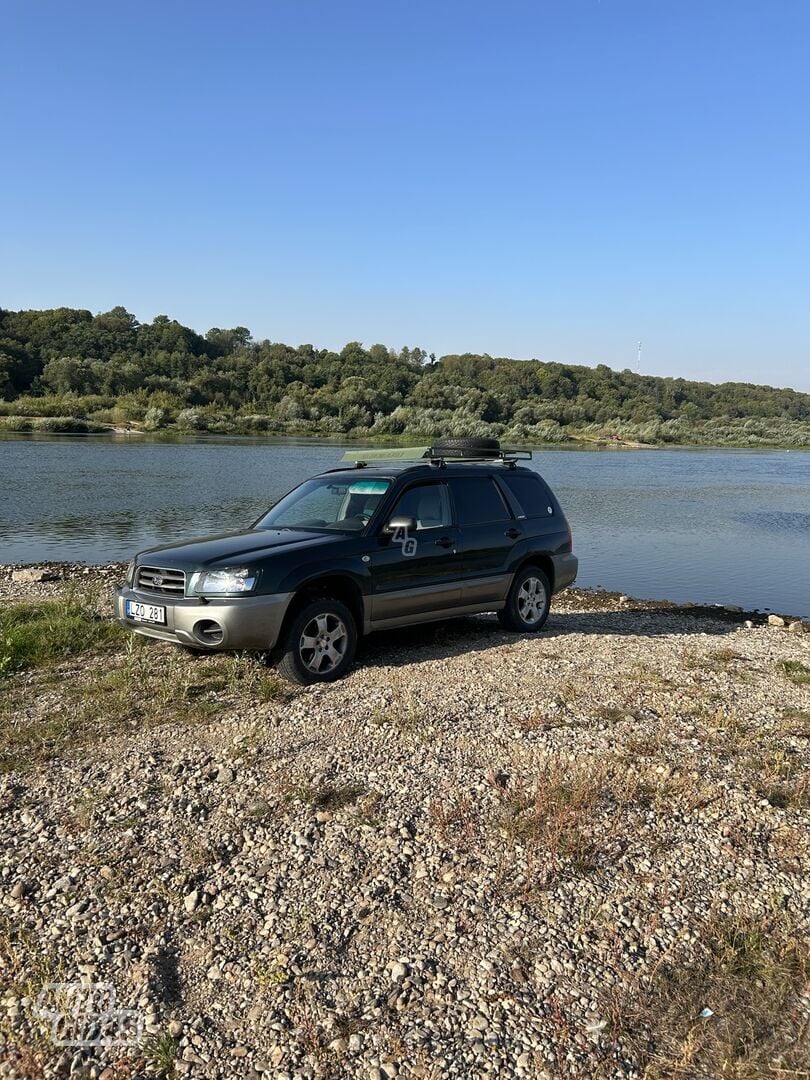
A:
473, 857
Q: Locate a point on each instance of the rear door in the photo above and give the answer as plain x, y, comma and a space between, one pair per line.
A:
489, 533
418, 572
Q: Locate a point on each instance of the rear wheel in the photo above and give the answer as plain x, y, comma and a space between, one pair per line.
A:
319, 644
528, 602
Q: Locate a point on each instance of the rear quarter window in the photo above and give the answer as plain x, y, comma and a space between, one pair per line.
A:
477, 500
531, 494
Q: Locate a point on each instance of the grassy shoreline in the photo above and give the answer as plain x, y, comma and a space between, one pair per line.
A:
75, 425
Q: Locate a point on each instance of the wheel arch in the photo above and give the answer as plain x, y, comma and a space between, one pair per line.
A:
541, 560
337, 586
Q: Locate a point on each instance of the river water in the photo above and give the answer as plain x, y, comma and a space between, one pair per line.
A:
711, 526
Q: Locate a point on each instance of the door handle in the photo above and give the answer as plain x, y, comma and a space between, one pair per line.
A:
513, 534
444, 541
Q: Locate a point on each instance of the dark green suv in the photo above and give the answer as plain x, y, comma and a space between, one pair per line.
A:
458, 528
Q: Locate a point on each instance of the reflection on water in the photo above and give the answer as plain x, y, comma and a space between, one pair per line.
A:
708, 526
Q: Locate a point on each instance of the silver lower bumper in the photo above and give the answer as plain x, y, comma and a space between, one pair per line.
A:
246, 622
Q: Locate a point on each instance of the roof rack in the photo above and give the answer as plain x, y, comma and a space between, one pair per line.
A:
438, 457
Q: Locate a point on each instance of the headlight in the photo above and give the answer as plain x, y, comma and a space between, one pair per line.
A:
224, 582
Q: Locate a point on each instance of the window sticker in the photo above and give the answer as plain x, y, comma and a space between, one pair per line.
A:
369, 487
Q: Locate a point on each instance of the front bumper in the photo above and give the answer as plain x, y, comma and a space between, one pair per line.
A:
246, 622
565, 571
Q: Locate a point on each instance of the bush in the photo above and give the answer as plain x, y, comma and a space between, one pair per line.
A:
155, 418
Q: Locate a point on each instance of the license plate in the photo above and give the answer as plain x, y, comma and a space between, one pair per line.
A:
145, 612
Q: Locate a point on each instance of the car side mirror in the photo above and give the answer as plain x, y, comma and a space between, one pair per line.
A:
399, 523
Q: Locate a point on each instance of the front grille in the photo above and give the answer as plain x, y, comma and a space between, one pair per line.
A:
158, 579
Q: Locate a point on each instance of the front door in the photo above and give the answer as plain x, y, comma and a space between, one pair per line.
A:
419, 572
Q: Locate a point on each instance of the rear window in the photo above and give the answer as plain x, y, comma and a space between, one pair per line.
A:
477, 500
531, 494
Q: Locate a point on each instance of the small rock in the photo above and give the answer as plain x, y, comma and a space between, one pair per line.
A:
796, 627
30, 573
775, 620
224, 775
176, 1028
191, 901
17, 890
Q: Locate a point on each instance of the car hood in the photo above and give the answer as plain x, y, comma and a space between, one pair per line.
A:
232, 548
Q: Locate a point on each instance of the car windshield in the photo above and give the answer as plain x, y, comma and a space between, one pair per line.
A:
327, 503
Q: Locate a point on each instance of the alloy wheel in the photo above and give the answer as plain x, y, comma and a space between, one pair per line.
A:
531, 600
323, 643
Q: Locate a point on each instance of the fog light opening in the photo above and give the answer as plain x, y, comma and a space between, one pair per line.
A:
208, 631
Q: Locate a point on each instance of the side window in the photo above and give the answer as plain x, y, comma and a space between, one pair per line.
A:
530, 492
428, 504
477, 500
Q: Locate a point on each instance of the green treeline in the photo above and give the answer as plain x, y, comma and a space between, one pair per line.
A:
68, 370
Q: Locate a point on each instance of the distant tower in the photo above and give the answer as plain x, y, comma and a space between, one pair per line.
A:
638, 357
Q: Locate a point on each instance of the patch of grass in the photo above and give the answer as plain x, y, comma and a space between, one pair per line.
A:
27, 966
455, 819
403, 711
160, 1052
797, 723
326, 796
329, 797
144, 684
35, 634
554, 816
783, 780
749, 972
796, 671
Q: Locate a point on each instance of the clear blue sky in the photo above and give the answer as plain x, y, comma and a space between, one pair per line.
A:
556, 178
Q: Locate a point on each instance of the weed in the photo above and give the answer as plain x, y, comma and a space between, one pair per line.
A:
783, 780
748, 972
797, 723
326, 796
368, 808
160, 1051
268, 973
796, 671
455, 818
404, 710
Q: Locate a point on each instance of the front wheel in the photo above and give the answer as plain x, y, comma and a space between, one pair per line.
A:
528, 602
319, 644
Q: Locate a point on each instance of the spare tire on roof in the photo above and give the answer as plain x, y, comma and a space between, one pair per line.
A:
457, 447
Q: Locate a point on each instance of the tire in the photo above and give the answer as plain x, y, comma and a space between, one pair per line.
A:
528, 602
471, 447
323, 620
